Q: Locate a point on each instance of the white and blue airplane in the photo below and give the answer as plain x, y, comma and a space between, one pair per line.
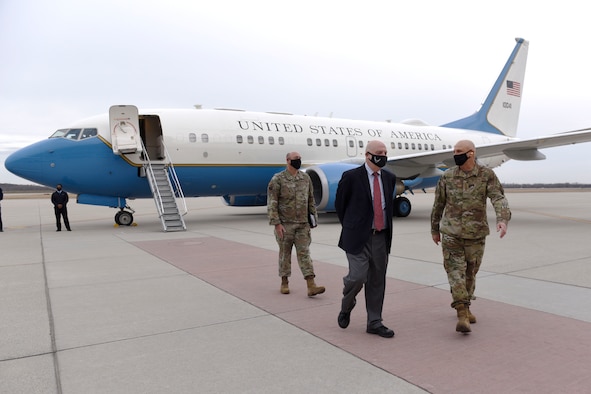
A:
111, 158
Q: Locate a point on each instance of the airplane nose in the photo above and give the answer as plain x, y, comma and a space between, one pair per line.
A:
26, 162
12, 162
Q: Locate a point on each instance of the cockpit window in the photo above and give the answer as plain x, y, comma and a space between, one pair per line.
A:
72, 134
75, 134
87, 133
59, 134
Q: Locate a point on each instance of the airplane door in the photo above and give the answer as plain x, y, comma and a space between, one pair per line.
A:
351, 146
125, 129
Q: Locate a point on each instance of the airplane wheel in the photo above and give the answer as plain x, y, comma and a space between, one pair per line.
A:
123, 218
402, 207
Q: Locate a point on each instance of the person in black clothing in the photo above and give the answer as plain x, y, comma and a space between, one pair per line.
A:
59, 198
1, 197
365, 207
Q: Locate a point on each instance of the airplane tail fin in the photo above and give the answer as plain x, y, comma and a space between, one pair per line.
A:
500, 112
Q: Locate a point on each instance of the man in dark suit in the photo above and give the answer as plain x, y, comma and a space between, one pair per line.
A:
364, 237
59, 199
1, 197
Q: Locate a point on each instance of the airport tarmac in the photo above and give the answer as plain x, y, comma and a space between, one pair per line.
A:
106, 309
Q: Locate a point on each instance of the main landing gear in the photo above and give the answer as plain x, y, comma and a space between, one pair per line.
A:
402, 207
123, 217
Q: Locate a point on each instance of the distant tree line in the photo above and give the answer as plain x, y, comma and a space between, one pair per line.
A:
13, 188
565, 185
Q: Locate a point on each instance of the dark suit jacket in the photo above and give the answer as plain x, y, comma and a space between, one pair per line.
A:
59, 198
354, 207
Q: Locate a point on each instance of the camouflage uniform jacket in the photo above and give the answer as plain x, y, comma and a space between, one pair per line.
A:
290, 198
461, 198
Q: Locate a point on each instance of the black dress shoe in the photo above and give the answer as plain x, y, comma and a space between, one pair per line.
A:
344, 319
382, 331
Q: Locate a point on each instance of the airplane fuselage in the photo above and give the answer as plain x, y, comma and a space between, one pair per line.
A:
223, 152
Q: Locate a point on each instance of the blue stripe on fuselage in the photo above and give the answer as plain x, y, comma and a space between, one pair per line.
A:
202, 180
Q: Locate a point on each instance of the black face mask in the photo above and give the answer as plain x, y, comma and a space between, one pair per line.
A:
378, 160
461, 159
296, 163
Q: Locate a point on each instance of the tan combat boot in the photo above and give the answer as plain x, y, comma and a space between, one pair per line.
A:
284, 285
471, 317
312, 288
463, 324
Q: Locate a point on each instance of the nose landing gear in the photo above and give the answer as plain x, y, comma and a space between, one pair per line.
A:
123, 217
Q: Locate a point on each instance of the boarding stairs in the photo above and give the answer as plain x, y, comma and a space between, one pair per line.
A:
167, 192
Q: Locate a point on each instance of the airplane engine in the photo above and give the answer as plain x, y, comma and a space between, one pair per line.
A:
325, 179
257, 200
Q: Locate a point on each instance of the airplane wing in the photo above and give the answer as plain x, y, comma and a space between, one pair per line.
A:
428, 164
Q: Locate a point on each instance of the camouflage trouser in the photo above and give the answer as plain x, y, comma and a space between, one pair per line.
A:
297, 234
461, 260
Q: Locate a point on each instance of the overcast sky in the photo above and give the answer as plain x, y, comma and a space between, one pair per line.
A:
63, 60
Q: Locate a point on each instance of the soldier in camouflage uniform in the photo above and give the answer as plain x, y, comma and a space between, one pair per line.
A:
460, 198
290, 200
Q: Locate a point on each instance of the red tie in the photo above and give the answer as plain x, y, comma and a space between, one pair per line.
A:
378, 215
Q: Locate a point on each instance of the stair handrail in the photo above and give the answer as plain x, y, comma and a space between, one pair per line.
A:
152, 181
176, 184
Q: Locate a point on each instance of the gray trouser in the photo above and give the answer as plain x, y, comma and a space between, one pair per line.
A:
367, 268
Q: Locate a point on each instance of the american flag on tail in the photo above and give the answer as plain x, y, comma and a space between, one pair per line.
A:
513, 88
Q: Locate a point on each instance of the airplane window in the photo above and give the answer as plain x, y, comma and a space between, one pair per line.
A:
239, 139
261, 139
192, 137
426, 147
318, 142
309, 141
204, 138
281, 141
432, 147
406, 145
250, 139
413, 146
271, 140
400, 145
420, 147
351, 144
361, 144
326, 142
72, 134
87, 133
393, 145
335, 143
59, 134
